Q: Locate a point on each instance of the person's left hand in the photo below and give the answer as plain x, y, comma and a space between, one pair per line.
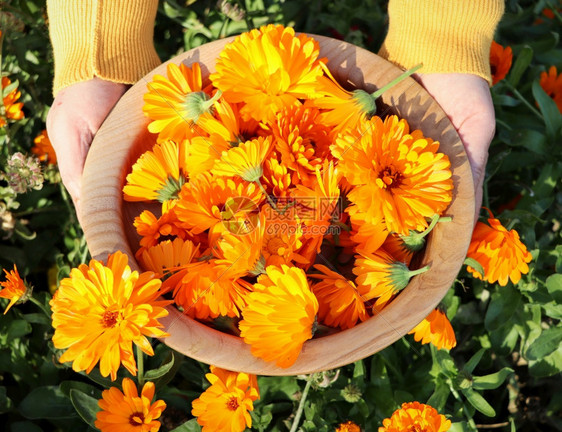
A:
466, 100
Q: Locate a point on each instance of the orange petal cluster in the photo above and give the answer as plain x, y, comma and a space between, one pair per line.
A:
415, 416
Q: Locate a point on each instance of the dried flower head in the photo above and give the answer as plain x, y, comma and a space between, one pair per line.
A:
23, 173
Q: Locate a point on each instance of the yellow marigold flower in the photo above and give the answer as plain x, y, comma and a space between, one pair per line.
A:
12, 110
435, 329
127, 411
44, 149
551, 83
302, 141
339, 302
244, 161
204, 152
101, 310
348, 426
414, 416
175, 102
168, 255
225, 406
226, 121
276, 178
395, 173
380, 275
500, 61
341, 109
268, 69
206, 201
279, 315
499, 251
158, 174
13, 287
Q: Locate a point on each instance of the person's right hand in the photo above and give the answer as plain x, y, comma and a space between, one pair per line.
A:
74, 118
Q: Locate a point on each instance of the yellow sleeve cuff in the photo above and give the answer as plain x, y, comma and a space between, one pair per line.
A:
109, 39
445, 35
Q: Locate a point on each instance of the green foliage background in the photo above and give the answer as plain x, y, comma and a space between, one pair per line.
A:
504, 373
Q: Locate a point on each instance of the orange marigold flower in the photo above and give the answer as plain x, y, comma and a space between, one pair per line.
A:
101, 310
245, 161
499, 251
348, 426
435, 329
368, 235
500, 61
339, 302
44, 149
152, 229
158, 174
414, 416
395, 247
302, 141
268, 69
276, 178
12, 110
279, 315
396, 174
551, 83
380, 275
13, 287
175, 102
225, 406
209, 202
127, 411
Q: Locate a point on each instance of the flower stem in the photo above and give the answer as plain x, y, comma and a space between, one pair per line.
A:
300, 408
412, 273
395, 81
140, 366
40, 306
269, 200
525, 101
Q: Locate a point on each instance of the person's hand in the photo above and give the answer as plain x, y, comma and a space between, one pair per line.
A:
74, 118
466, 100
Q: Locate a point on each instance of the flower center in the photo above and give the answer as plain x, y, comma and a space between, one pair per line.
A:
136, 419
276, 246
416, 428
232, 403
109, 318
391, 177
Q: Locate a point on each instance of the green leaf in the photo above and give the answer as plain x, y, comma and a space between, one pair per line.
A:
359, 369
503, 304
474, 360
86, 406
551, 115
547, 366
17, 329
84, 387
47, 402
188, 426
471, 262
521, 64
477, 401
7, 90
24, 426
154, 374
548, 342
459, 427
554, 287
5, 402
529, 139
439, 397
491, 381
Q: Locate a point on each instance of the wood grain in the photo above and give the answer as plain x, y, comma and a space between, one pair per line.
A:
107, 219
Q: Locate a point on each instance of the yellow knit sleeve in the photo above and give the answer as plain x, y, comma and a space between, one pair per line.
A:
445, 35
109, 39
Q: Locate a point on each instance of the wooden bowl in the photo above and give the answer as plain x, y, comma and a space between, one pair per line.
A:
107, 219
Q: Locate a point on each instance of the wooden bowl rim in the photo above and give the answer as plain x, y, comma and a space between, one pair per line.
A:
102, 221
